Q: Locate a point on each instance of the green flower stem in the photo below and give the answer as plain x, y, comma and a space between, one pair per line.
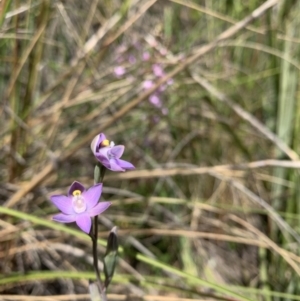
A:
94, 235
98, 178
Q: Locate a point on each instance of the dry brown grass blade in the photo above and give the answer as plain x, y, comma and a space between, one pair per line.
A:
248, 117
111, 297
94, 40
65, 99
283, 225
287, 256
195, 170
131, 21
199, 53
192, 234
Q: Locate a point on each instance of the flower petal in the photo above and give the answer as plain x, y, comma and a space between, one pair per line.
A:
125, 164
63, 203
117, 151
103, 151
99, 208
75, 186
84, 222
63, 218
114, 165
96, 142
92, 195
102, 159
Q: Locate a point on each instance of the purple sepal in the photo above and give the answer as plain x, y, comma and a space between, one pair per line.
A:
75, 186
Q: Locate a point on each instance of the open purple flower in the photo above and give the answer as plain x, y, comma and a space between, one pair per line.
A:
109, 154
79, 205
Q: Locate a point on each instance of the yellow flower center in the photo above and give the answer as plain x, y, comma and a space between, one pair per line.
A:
104, 143
76, 192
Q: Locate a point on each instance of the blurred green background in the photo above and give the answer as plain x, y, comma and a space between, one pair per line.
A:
208, 110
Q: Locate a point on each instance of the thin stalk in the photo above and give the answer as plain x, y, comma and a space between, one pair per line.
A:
94, 235
98, 178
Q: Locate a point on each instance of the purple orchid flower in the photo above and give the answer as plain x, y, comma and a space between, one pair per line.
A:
109, 154
80, 205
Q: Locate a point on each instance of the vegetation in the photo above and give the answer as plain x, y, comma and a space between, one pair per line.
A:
205, 97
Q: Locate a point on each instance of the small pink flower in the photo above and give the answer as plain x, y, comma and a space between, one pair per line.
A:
170, 82
119, 71
155, 100
147, 84
146, 56
158, 70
